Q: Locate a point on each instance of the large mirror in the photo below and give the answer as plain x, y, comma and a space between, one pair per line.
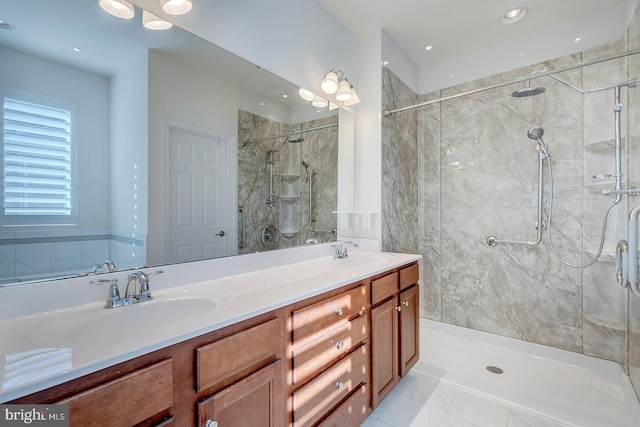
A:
174, 149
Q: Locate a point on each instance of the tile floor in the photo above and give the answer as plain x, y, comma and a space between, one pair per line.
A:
423, 401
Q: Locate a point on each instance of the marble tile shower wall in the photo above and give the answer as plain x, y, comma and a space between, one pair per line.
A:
476, 176
290, 209
633, 102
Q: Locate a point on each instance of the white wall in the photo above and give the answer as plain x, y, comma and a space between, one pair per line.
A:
297, 40
129, 161
90, 93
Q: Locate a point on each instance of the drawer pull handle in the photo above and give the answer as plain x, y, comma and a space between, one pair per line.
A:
340, 385
405, 303
340, 345
339, 311
399, 308
211, 423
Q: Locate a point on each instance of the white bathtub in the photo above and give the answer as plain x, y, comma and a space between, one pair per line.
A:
571, 388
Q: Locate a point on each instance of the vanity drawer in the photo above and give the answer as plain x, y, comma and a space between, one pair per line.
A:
384, 287
352, 413
128, 400
409, 276
318, 397
224, 358
309, 358
324, 314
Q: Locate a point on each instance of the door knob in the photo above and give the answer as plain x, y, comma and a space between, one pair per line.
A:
221, 234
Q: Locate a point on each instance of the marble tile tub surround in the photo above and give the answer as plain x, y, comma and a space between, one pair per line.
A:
477, 176
290, 210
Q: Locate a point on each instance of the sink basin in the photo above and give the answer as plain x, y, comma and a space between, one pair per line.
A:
368, 260
147, 319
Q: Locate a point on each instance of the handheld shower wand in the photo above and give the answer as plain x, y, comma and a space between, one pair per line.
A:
536, 133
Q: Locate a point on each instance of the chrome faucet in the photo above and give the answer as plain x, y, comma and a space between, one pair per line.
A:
143, 279
110, 265
144, 294
340, 250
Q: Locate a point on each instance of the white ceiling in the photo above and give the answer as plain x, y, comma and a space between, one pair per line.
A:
470, 42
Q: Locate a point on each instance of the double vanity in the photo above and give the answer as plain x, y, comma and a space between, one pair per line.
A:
244, 341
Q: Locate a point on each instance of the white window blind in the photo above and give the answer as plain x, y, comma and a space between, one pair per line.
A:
37, 162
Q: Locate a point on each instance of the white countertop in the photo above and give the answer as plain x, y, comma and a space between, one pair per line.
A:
53, 332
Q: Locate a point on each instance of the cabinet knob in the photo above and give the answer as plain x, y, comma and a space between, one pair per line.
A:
399, 308
405, 303
339, 311
211, 423
340, 385
340, 345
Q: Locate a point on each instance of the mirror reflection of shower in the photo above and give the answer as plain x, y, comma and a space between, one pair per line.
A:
287, 182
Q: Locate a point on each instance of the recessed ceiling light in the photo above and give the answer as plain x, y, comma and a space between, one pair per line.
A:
577, 39
262, 103
429, 47
514, 15
385, 63
76, 49
285, 96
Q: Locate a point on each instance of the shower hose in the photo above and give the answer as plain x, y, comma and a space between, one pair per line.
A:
602, 235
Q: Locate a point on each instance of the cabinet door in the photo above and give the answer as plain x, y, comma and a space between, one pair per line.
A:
409, 329
255, 401
384, 350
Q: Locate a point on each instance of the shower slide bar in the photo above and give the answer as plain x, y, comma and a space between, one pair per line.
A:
243, 224
524, 79
493, 241
293, 132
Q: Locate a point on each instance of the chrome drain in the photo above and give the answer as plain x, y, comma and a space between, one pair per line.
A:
495, 370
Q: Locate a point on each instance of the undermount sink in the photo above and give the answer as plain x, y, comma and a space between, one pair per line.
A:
144, 319
368, 260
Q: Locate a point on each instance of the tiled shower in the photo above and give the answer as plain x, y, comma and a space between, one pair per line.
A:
462, 170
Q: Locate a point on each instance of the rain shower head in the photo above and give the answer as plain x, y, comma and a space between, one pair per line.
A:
305, 164
536, 133
527, 91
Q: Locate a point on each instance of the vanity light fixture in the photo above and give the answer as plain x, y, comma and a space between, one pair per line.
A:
336, 83
344, 90
153, 22
119, 8
176, 7
329, 84
319, 102
514, 15
305, 94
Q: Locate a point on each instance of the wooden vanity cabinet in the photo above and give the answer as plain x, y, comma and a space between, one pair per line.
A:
395, 346
328, 358
236, 372
324, 361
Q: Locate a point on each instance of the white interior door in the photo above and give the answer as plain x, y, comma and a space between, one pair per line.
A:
198, 221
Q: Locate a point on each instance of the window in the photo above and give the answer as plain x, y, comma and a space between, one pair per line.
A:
38, 160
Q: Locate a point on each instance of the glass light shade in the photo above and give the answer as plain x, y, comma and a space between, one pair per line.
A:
330, 83
176, 7
319, 102
305, 94
153, 22
344, 91
119, 8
